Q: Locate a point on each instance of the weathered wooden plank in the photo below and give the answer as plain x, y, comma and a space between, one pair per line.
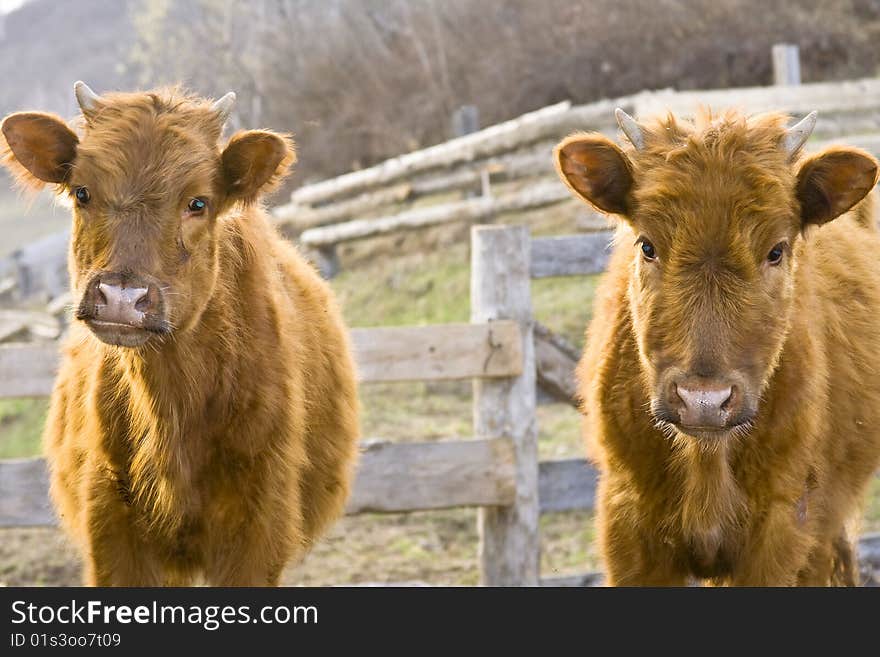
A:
566, 485
27, 370
786, 64
542, 193
391, 477
850, 95
294, 219
509, 542
467, 210
8, 286
395, 477
20, 324
409, 353
532, 162
60, 306
24, 494
571, 255
443, 351
555, 361
500, 137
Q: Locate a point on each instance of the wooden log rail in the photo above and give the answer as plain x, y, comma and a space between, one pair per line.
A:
294, 219
503, 136
546, 192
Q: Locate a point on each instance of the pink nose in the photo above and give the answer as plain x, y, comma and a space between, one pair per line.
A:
122, 305
704, 405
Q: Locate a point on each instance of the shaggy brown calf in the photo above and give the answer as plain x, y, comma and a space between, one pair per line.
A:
204, 420
730, 384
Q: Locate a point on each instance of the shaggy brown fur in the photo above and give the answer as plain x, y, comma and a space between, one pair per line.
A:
223, 446
768, 501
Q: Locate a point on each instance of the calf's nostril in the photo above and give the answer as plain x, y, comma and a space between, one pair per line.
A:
143, 303
727, 403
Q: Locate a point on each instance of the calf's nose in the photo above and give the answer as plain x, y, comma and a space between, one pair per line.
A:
122, 305
704, 405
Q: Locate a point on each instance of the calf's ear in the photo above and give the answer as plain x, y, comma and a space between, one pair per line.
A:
37, 148
596, 170
833, 181
255, 162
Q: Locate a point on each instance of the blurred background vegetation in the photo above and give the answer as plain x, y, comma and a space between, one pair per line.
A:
360, 80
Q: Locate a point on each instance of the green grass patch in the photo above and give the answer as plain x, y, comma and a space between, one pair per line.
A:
432, 288
565, 304
21, 425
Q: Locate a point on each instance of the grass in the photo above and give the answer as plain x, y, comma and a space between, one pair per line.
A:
21, 423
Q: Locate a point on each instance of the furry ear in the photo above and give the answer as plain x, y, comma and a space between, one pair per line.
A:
596, 170
833, 181
255, 162
38, 148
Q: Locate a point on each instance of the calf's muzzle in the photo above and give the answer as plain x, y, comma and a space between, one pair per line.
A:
704, 405
123, 309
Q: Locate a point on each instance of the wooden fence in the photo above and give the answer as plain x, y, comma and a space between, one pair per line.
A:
497, 470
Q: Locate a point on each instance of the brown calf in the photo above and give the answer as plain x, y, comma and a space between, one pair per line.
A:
204, 420
730, 384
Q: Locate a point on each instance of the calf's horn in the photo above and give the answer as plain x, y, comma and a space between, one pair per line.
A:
796, 136
631, 129
224, 106
86, 98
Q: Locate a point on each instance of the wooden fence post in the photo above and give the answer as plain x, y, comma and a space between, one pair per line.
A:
465, 120
500, 289
786, 64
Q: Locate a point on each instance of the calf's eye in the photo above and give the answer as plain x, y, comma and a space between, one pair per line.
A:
776, 253
197, 206
648, 250
82, 195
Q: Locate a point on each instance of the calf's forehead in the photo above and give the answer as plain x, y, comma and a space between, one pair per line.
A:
709, 193
147, 153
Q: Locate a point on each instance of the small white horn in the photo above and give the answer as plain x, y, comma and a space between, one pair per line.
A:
223, 107
86, 98
631, 129
796, 136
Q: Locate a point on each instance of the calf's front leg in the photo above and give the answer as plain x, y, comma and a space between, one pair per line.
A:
116, 555
634, 557
777, 550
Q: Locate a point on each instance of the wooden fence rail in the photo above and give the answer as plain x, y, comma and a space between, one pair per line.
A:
411, 353
392, 477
